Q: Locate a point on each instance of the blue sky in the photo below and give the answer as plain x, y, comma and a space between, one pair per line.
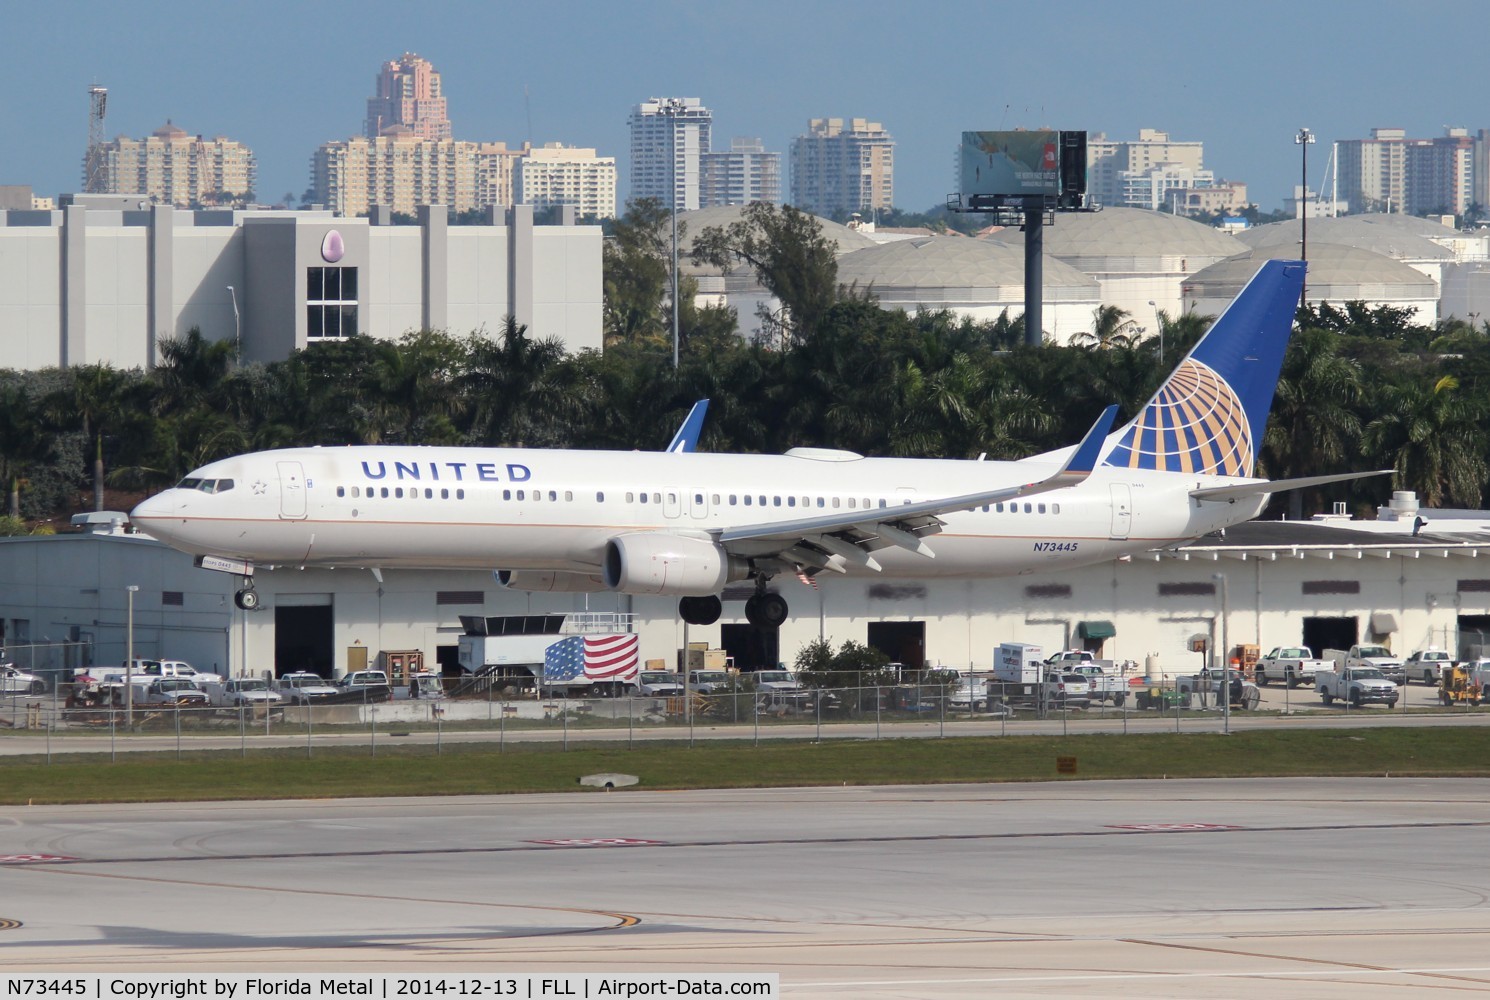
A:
284, 77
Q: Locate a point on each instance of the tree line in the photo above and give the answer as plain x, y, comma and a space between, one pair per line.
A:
1362, 388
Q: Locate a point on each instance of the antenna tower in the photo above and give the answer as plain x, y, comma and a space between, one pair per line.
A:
93, 163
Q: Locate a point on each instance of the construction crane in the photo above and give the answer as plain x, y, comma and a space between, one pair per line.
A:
93, 162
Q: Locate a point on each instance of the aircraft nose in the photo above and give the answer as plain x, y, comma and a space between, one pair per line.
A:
149, 512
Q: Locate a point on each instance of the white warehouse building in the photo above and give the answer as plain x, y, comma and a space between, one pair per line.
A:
102, 280
1410, 579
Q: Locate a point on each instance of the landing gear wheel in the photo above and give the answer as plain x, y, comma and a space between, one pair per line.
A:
700, 610
766, 610
247, 599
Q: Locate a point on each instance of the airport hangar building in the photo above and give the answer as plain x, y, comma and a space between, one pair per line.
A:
102, 279
1408, 578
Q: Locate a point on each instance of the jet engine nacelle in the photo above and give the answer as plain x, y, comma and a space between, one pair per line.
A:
661, 563
549, 582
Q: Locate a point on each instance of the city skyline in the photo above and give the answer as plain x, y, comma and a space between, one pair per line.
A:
298, 77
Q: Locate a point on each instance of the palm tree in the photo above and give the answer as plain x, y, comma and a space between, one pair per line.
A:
91, 396
1434, 439
1313, 428
1111, 327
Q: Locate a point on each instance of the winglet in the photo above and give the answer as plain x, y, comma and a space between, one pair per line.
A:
1084, 458
688, 432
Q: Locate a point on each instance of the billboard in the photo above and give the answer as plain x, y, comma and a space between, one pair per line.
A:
1012, 164
1012, 168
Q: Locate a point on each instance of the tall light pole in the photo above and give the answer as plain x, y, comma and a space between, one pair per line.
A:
1225, 657
129, 658
237, 330
672, 107
1304, 139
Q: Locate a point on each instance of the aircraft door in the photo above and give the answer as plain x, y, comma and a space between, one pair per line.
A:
1122, 510
672, 504
291, 490
698, 503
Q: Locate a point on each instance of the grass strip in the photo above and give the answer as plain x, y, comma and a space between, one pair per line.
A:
479, 769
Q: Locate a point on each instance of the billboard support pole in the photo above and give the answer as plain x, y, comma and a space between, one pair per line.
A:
1034, 277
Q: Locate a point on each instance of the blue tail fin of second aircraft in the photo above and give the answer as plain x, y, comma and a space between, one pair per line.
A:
1208, 416
688, 432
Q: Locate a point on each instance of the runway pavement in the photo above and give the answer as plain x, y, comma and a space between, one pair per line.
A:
1234, 888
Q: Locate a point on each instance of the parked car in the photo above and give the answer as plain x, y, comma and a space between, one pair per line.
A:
709, 681
361, 680
302, 687
659, 684
971, 695
1068, 690
1427, 665
14, 681
240, 691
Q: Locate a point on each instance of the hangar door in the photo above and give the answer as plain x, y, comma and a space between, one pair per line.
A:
1331, 633
902, 642
303, 634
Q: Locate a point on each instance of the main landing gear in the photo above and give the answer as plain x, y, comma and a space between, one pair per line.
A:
247, 598
763, 610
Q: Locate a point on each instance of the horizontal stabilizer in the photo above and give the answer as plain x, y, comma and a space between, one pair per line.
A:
1245, 490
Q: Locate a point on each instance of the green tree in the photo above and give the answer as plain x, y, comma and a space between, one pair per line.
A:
637, 276
1313, 428
790, 256
1435, 439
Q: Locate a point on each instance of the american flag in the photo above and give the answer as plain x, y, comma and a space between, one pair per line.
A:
597, 657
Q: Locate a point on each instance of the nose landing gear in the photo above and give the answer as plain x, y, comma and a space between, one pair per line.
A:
247, 598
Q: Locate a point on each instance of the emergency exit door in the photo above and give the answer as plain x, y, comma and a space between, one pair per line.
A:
291, 490
1122, 510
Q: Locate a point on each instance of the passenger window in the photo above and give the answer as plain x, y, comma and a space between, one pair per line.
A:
385, 492
644, 498
835, 503
631, 498
656, 497
520, 494
553, 496
672, 498
999, 507
791, 501
853, 503
444, 494
1055, 508
429, 494
884, 502
460, 494
1042, 508
506, 494
732, 498
341, 491
776, 501
568, 496
698, 499
762, 500
1027, 509
747, 499
398, 492
600, 497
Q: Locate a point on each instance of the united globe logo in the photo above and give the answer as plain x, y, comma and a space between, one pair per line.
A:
1195, 423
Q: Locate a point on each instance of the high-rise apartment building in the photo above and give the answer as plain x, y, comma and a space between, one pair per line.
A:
1392, 173
843, 165
740, 175
172, 167
402, 171
407, 92
555, 174
669, 137
1151, 172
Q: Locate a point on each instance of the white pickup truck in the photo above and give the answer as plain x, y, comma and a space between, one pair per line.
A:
1368, 655
1293, 665
1427, 665
1356, 686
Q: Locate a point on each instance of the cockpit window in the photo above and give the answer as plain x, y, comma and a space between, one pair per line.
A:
206, 485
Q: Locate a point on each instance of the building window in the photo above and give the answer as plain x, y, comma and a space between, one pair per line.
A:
1332, 586
330, 302
1196, 589
448, 597
1047, 590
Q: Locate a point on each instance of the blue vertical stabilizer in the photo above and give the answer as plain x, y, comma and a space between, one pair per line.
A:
1209, 415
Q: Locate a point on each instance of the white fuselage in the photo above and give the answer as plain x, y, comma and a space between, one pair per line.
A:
522, 509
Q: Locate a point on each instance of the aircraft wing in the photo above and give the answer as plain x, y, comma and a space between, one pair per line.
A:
1231, 494
831, 541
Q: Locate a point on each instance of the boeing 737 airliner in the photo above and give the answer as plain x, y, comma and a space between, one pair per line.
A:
686, 523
